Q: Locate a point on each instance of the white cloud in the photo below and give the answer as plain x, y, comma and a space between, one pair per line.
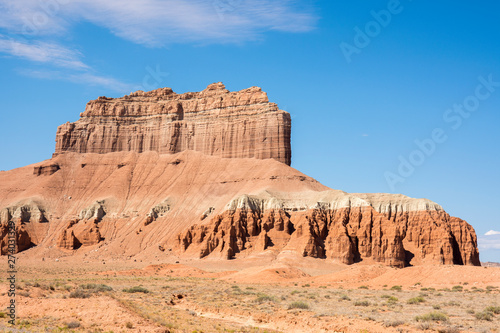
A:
51, 53
492, 232
35, 27
85, 78
160, 22
490, 242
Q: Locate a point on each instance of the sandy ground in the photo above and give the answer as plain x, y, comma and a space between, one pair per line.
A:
269, 293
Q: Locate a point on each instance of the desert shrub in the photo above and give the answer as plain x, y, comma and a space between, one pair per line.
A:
295, 292
392, 300
457, 288
306, 285
485, 315
3, 315
79, 293
432, 316
416, 300
265, 298
136, 289
344, 298
436, 306
494, 309
424, 326
491, 288
395, 323
129, 325
73, 324
397, 288
363, 287
96, 287
299, 305
361, 303
453, 303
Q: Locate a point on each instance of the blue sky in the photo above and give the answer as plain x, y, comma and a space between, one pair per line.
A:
385, 96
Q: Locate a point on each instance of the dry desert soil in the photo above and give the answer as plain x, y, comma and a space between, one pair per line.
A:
265, 293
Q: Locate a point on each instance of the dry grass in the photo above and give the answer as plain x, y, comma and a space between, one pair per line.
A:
212, 305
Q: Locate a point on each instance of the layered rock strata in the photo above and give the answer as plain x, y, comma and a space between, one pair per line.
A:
397, 230
214, 121
205, 175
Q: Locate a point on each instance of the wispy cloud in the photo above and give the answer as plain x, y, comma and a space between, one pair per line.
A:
490, 241
160, 22
33, 29
85, 78
49, 53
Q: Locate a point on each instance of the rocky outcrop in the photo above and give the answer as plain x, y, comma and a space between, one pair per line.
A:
45, 170
214, 121
79, 233
144, 173
22, 238
31, 222
399, 231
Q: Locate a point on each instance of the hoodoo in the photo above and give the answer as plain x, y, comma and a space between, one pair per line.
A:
207, 174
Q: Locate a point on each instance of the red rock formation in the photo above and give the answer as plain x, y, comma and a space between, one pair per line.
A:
79, 233
45, 170
348, 234
214, 121
144, 173
22, 238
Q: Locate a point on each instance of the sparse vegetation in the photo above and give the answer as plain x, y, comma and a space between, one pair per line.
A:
416, 300
432, 316
484, 315
361, 303
136, 289
265, 298
395, 323
73, 324
299, 305
96, 287
397, 288
80, 293
493, 309
396, 308
392, 300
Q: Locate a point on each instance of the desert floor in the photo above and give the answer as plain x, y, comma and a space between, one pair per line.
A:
258, 294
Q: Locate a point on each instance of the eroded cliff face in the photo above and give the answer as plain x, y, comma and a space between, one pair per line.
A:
398, 231
205, 175
214, 121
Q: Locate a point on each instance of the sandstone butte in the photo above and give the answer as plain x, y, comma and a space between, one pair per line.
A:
207, 175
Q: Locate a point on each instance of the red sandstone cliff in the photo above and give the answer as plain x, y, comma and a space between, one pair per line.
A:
200, 175
336, 225
214, 121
